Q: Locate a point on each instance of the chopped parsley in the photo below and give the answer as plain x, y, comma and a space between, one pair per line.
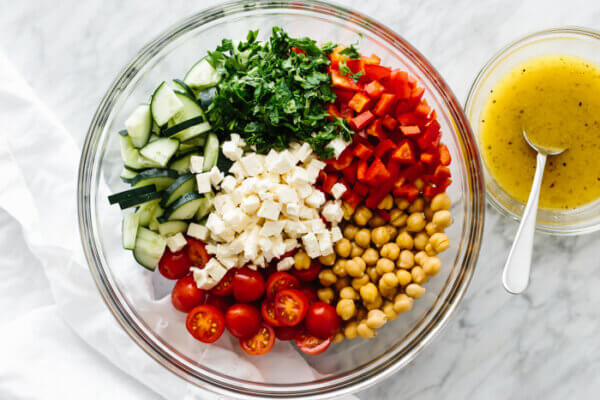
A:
350, 52
345, 70
273, 95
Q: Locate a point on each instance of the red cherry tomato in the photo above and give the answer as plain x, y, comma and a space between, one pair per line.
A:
205, 323
260, 343
279, 281
197, 252
242, 320
311, 293
186, 294
248, 285
312, 345
267, 310
310, 274
222, 303
322, 320
174, 265
288, 332
290, 306
225, 285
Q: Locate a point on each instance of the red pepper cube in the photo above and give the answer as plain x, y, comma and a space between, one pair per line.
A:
343, 82
359, 102
389, 122
404, 154
375, 72
332, 111
383, 147
408, 191
384, 104
399, 83
374, 89
444, 185
416, 94
298, 51
371, 60
429, 191
344, 159
329, 181
376, 129
361, 120
410, 130
377, 195
428, 158
431, 136
445, 158
441, 174
362, 151
352, 199
422, 109
361, 171
360, 189
346, 112
377, 173
407, 119
350, 172
343, 95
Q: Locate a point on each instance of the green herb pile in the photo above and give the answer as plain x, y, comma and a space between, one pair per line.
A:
272, 95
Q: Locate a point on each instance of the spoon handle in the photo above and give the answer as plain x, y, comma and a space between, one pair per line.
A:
516, 270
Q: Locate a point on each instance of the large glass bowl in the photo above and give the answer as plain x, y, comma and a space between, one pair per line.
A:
138, 298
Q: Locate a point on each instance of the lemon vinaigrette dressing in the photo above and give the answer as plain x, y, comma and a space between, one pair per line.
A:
556, 100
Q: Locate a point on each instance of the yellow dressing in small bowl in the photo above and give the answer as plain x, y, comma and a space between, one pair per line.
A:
556, 100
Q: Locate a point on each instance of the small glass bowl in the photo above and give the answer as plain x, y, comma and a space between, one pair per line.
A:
581, 42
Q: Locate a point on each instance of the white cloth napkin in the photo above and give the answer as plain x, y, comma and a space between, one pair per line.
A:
55, 316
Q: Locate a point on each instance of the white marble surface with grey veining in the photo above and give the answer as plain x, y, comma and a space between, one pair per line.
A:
542, 345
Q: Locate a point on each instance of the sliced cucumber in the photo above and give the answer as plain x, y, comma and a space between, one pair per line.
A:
197, 141
205, 206
164, 104
139, 199
182, 164
149, 248
181, 86
129, 229
202, 75
146, 212
159, 177
211, 152
184, 207
189, 122
160, 151
132, 157
223, 163
127, 175
130, 193
139, 125
172, 227
182, 185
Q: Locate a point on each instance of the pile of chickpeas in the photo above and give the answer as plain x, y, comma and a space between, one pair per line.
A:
379, 267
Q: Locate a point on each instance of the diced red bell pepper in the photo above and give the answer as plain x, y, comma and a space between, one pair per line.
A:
298, 51
383, 214
335, 57
408, 191
346, 112
383, 147
417, 94
389, 122
361, 171
411, 172
362, 151
377, 195
376, 130
431, 136
332, 111
404, 154
441, 174
404, 106
352, 199
344, 160
399, 83
343, 95
376, 72
384, 104
344, 82
410, 130
359, 102
355, 65
422, 109
412, 81
429, 191
408, 119
445, 158
428, 158
444, 185
374, 89
377, 173
361, 189
350, 172
361, 120
329, 181
371, 60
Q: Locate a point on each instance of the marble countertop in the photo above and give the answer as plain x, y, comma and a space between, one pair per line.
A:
543, 344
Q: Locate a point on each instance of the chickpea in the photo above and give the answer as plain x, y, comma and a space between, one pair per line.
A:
432, 265
406, 260
404, 240
390, 250
384, 265
338, 337
387, 203
369, 292
442, 219
439, 242
428, 212
361, 314
415, 222
402, 303
417, 206
404, 277
415, 290
440, 202
327, 277
340, 268
388, 310
376, 221
402, 203
431, 228
363, 238
387, 291
359, 282
355, 268
345, 309
398, 217
350, 231
349, 293
393, 231
327, 260
342, 283
376, 319
362, 216
420, 257
418, 275
380, 236
343, 247
419, 184
356, 251
348, 211
301, 260
373, 274
370, 256
429, 250
374, 305
389, 279
350, 330
326, 294
364, 331
420, 240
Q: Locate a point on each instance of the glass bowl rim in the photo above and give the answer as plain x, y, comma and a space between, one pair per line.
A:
352, 380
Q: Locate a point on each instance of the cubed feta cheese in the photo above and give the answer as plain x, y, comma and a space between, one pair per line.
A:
278, 247
286, 194
285, 264
333, 212
325, 244
315, 200
250, 204
298, 176
293, 228
317, 225
235, 219
229, 183
252, 164
203, 182
228, 235
215, 269
237, 246
197, 231
311, 245
317, 164
238, 170
336, 234
308, 212
223, 203
264, 244
248, 185
202, 279
196, 164
282, 163
263, 185
292, 209
237, 139
211, 249
289, 245
266, 195
338, 145
313, 174
272, 228
229, 262
338, 190
232, 151
304, 190
251, 244
176, 242
216, 176
269, 210
237, 196
215, 224
303, 152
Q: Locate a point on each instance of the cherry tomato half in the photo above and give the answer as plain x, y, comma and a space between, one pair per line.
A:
197, 253
186, 294
260, 343
322, 320
311, 292
248, 285
310, 274
279, 281
242, 320
312, 345
222, 303
290, 306
267, 310
225, 285
205, 323
174, 265
288, 332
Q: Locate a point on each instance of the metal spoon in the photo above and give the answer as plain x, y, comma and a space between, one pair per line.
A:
518, 265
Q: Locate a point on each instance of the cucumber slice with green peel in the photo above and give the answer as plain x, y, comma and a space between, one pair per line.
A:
146, 212
184, 207
202, 75
187, 149
164, 104
197, 141
193, 132
181, 86
132, 157
159, 177
149, 248
182, 164
188, 123
129, 228
211, 152
130, 193
172, 227
127, 175
182, 185
206, 207
139, 125
160, 151
139, 199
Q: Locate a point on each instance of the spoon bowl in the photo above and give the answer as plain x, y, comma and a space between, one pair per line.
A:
540, 149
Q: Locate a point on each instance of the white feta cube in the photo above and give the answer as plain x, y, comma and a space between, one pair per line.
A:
229, 183
308, 213
236, 197
317, 225
215, 269
316, 164
269, 210
293, 228
281, 163
235, 219
289, 245
325, 244
313, 174
311, 245
302, 153
216, 176
202, 279
250, 204
285, 264
272, 228
336, 234
286, 194
338, 190
266, 195
215, 224
304, 190
203, 182
338, 145
264, 244
278, 247
238, 170
298, 176
251, 244
232, 151
223, 203
292, 209
237, 246
248, 185
211, 249
315, 200
196, 164
333, 211
252, 164
197, 231
263, 185
176, 242
237, 139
